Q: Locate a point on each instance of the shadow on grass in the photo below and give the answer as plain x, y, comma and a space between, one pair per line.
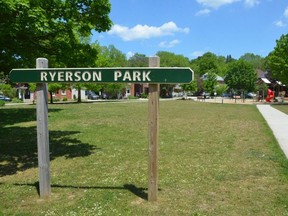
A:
138, 191
19, 144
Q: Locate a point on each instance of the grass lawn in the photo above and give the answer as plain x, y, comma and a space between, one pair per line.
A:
214, 159
282, 108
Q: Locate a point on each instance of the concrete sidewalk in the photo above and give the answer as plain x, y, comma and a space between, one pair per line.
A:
278, 122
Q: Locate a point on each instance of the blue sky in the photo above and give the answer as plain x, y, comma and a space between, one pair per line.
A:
193, 27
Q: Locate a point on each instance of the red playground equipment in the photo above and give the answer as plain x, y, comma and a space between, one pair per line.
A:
269, 96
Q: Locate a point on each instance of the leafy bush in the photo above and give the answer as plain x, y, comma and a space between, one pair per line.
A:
16, 100
2, 103
132, 97
7, 90
143, 95
65, 99
56, 99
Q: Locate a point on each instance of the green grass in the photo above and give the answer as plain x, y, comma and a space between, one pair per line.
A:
282, 107
214, 159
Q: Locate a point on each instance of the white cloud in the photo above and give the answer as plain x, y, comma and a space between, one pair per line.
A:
139, 32
215, 3
203, 12
280, 23
286, 12
130, 54
251, 3
165, 44
284, 20
196, 54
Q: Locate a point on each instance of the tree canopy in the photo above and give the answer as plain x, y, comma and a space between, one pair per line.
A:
241, 76
256, 60
169, 59
278, 60
49, 28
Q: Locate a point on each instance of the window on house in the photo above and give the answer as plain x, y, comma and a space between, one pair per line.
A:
63, 92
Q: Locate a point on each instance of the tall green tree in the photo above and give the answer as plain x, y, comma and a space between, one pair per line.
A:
138, 60
241, 76
206, 62
210, 82
54, 88
110, 56
168, 59
257, 61
189, 87
49, 28
221, 89
278, 60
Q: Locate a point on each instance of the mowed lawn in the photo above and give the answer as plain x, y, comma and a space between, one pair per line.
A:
214, 159
282, 107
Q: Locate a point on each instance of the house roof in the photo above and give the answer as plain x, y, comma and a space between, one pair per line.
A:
219, 79
265, 80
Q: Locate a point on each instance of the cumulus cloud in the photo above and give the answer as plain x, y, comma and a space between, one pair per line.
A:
169, 44
209, 5
215, 3
203, 12
198, 53
286, 12
140, 32
283, 22
251, 3
280, 23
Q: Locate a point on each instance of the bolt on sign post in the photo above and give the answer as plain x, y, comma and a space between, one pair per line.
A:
153, 75
43, 134
153, 128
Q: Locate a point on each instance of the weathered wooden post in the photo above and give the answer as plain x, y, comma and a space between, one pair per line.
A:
43, 134
153, 128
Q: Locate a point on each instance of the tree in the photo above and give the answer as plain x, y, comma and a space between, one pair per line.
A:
261, 90
256, 60
50, 29
241, 76
209, 62
210, 82
221, 89
55, 87
138, 60
190, 87
206, 63
7, 90
278, 60
169, 59
110, 57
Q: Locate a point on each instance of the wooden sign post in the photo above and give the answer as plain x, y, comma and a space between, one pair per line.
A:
43, 134
153, 130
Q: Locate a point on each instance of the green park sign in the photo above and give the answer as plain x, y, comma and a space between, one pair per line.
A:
104, 75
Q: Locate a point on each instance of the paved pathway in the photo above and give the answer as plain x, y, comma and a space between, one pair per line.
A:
278, 122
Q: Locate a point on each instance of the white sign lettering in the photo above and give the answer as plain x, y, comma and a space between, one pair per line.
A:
69, 76
132, 76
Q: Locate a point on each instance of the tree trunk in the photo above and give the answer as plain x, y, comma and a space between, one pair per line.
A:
51, 97
79, 96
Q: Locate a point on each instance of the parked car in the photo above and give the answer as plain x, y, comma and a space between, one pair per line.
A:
92, 95
4, 98
105, 96
251, 95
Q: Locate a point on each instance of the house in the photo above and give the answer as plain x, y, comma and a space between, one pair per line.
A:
219, 79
